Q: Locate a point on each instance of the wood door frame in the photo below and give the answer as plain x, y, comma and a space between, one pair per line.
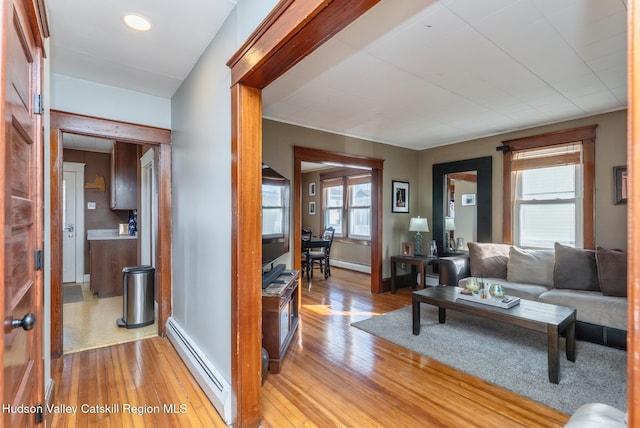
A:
125, 132
633, 214
306, 154
294, 29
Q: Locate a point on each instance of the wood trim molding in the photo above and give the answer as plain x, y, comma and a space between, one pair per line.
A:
61, 122
55, 178
246, 247
107, 128
552, 138
306, 154
633, 214
292, 31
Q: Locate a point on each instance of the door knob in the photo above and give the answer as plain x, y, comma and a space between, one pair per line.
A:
27, 322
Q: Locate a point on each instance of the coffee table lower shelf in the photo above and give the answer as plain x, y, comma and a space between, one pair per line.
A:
549, 319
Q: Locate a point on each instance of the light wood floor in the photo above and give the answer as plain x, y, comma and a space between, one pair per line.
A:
333, 375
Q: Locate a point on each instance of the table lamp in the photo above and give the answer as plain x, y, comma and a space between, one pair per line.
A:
418, 225
449, 226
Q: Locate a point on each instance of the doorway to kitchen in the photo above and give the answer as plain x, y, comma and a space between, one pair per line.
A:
146, 138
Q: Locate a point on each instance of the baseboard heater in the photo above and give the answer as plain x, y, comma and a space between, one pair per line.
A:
358, 267
212, 383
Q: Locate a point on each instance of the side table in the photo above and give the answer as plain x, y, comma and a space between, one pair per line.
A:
419, 262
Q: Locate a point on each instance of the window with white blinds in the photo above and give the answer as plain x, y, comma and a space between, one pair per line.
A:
547, 200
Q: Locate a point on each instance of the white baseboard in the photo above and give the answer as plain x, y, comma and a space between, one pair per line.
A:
209, 379
351, 266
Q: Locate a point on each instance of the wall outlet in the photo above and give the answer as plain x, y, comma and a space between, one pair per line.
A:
91, 205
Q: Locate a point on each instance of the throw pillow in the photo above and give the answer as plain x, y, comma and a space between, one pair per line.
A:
531, 266
575, 269
488, 260
612, 271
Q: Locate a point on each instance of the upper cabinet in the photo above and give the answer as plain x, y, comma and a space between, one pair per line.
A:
124, 177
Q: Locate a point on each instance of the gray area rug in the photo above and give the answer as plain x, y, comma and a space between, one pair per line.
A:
511, 357
72, 294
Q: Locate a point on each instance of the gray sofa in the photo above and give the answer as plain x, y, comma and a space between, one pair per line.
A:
592, 281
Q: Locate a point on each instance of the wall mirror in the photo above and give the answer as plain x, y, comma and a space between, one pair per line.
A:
461, 202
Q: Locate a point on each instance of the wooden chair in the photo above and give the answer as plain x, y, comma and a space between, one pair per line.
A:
306, 235
322, 256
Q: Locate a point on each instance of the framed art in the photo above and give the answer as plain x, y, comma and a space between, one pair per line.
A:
620, 184
400, 196
312, 188
312, 208
468, 199
407, 248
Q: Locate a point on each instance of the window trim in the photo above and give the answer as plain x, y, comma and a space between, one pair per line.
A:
586, 136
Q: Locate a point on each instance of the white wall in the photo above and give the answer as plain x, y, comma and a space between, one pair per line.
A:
201, 190
108, 102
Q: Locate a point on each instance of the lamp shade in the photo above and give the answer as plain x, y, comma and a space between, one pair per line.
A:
418, 224
449, 223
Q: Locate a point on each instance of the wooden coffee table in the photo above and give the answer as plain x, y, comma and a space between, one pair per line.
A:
542, 317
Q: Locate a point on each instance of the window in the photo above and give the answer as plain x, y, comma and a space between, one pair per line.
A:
347, 206
273, 210
548, 188
547, 204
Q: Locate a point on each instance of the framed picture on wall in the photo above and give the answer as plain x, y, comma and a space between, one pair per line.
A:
399, 196
620, 184
468, 199
312, 208
312, 188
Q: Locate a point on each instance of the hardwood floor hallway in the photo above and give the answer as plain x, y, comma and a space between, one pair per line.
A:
334, 375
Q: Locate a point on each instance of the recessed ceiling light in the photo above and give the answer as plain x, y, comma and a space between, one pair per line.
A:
137, 22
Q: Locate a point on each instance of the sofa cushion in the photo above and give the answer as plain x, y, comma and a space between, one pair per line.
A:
488, 260
531, 266
612, 271
591, 306
575, 268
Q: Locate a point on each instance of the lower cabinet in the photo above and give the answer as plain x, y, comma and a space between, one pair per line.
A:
280, 316
107, 258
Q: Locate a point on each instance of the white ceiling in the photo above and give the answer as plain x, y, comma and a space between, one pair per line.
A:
90, 41
412, 73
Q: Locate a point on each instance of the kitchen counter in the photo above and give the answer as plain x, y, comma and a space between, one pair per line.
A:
107, 257
107, 234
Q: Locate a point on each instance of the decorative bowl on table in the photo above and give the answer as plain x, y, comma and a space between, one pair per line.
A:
496, 290
472, 284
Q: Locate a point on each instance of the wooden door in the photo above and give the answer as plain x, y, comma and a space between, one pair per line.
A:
21, 179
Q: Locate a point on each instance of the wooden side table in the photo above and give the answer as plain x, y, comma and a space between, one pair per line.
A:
419, 262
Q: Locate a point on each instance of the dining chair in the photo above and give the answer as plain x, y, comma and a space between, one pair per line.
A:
306, 236
322, 255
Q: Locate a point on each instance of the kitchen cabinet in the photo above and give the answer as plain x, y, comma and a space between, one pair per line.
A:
124, 176
280, 316
107, 258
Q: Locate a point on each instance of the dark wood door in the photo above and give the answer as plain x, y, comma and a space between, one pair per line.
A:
21, 196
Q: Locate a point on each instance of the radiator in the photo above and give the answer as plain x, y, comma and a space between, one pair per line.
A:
212, 383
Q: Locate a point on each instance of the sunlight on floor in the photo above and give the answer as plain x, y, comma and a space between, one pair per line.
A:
92, 323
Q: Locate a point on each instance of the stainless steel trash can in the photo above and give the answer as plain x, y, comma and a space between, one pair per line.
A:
138, 284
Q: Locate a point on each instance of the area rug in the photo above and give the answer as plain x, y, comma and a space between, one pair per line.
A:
72, 294
510, 357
